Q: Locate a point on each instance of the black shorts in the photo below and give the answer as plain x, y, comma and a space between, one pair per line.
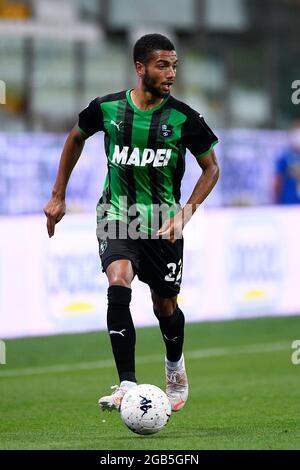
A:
157, 262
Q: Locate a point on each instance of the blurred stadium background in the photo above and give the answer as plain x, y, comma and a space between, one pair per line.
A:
238, 61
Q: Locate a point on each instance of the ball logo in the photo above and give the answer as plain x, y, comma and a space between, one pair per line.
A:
145, 405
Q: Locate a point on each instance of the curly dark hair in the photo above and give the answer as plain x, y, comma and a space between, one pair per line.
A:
149, 43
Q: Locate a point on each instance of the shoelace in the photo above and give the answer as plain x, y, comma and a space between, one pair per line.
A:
173, 377
174, 380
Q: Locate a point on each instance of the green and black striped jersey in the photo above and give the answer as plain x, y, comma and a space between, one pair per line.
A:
145, 153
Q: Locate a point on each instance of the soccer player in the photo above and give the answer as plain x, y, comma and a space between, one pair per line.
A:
147, 132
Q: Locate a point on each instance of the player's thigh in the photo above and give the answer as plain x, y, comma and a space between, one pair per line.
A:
119, 259
161, 264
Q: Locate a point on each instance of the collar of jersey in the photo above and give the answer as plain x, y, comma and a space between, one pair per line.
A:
147, 111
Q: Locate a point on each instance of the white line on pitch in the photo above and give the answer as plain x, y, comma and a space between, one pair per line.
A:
196, 354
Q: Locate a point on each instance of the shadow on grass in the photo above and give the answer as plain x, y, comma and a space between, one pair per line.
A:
192, 433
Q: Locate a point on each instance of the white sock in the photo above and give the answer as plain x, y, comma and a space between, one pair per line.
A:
127, 383
175, 365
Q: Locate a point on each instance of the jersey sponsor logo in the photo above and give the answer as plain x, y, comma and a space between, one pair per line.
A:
137, 158
117, 125
166, 130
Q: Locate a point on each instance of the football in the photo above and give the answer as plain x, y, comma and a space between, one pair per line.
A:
145, 409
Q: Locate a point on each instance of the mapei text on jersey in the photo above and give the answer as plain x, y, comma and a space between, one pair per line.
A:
160, 157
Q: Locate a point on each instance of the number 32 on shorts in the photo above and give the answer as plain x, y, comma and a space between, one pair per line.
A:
173, 268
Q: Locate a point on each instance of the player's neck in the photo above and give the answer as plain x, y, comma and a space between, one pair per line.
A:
144, 100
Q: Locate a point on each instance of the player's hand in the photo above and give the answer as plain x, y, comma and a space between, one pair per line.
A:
172, 228
54, 211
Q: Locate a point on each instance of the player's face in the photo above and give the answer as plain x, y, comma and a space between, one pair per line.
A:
159, 73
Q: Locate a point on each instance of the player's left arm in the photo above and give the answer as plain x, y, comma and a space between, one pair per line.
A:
204, 185
173, 227
199, 139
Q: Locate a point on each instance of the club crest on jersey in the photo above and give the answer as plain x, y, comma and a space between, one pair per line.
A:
166, 130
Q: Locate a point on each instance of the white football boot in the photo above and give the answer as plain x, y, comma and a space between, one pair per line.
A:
177, 388
113, 401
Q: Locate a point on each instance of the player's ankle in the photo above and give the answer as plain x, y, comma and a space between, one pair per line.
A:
127, 383
174, 365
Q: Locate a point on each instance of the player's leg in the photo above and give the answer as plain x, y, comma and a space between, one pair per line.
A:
161, 268
171, 322
120, 326
121, 330
119, 259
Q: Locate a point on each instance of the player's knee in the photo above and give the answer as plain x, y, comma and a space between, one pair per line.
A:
165, 308
120, 273
119, 281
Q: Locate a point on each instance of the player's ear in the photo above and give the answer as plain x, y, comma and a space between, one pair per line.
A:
140, 69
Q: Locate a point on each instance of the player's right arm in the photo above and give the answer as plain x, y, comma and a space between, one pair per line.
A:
90, 121
56, 206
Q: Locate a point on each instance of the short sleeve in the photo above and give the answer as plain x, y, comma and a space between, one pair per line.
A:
91, 118
197, 135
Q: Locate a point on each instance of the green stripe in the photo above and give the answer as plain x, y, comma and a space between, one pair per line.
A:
113, 110
120, 185
176, 119
207, 151
139, 138
161, 142
82, 131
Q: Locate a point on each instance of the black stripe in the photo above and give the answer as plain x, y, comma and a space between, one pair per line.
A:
127, 141
153, 144
180, 164
120, 95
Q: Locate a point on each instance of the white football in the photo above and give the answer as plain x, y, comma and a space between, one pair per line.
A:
145, 409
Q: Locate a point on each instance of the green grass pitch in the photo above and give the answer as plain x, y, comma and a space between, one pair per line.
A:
244, 389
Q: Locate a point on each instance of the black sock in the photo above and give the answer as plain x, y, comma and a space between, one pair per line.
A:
121, 331
172, 329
